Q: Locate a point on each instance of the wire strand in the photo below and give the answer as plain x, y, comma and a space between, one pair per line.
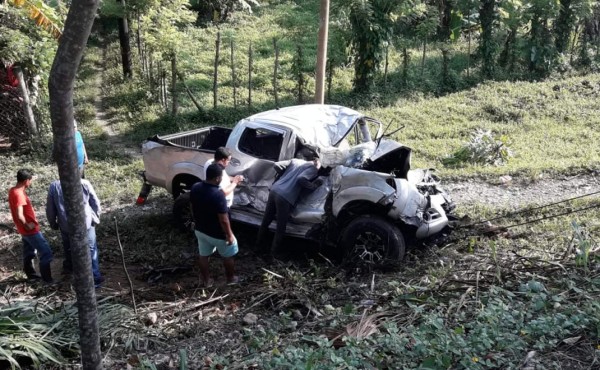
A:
529, 210
550, 217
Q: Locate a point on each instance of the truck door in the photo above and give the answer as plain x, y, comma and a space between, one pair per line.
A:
258, 146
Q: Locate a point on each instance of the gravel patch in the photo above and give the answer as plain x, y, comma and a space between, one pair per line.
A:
512, 194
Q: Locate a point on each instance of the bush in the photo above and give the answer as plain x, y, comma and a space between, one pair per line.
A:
483, 148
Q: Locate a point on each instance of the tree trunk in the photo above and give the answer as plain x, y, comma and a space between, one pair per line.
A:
250, 75
275, 72
138, 38
27, 110
216, 71
445, 71
62, 78
174, 99
563, 26
445, 9
405, 62
322, 52
487, 15
574, 44
233, 79
124, 41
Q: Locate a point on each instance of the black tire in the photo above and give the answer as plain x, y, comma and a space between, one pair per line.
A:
182, 213
373, 240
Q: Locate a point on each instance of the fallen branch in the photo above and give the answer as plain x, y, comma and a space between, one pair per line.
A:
200, 304
125, 266
189, 92
272, 273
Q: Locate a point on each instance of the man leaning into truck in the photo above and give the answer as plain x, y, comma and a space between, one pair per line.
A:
227, 184
294, 176
212, 226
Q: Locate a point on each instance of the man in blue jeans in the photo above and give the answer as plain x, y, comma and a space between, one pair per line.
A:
58, 219
28, 226
213, 229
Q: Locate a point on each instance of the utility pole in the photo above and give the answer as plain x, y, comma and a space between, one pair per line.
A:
322, 52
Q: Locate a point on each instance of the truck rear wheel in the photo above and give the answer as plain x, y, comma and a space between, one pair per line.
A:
373, 240
182, 212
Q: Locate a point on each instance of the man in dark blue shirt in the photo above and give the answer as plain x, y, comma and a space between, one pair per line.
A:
296, 175
213, 229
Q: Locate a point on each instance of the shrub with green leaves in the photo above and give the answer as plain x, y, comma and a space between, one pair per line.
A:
42, 332
495, 333
483, 148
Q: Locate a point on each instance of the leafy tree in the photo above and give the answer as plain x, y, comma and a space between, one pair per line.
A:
564, 22
511, 16
426, 28
62, 78
29, 42
445, 10
219, 11
164, 26
370, 29
541, 49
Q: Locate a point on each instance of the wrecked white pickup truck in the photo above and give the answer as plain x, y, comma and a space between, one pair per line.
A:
371, 203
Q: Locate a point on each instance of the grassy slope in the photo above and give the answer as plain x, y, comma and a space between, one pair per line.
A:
550, 131
443, 305
550, 125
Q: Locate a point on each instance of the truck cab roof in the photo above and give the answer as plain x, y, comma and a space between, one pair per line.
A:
318, 124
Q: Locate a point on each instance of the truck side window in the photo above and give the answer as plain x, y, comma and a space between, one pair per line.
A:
261, 143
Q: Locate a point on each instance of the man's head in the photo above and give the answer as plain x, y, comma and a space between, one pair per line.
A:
222, 156
214, 173
24, 176
308, 153
75, 124
317, 162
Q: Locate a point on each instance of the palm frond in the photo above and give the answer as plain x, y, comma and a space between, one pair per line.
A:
42, 15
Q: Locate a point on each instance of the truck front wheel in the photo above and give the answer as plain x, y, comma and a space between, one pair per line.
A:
182, 212
373, 240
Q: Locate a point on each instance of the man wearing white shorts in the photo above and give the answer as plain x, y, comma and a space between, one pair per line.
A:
213, 229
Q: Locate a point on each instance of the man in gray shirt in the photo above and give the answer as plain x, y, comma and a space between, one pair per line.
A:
295, 175
58, 220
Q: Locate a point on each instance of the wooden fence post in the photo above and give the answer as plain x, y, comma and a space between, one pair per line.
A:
299, 66
385, 71
216, 71
329, 79
233, 79
174, 98
27, 110
250, 75
275, 71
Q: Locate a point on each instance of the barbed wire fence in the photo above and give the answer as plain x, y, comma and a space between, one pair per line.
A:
14, 131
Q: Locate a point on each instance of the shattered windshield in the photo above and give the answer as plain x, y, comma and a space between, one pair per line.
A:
356, 147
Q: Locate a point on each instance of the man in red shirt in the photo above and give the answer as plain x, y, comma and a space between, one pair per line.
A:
28, 226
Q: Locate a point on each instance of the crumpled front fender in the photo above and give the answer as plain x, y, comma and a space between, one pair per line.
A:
351, 184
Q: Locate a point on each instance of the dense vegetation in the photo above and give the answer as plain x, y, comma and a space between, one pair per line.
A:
523, 70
